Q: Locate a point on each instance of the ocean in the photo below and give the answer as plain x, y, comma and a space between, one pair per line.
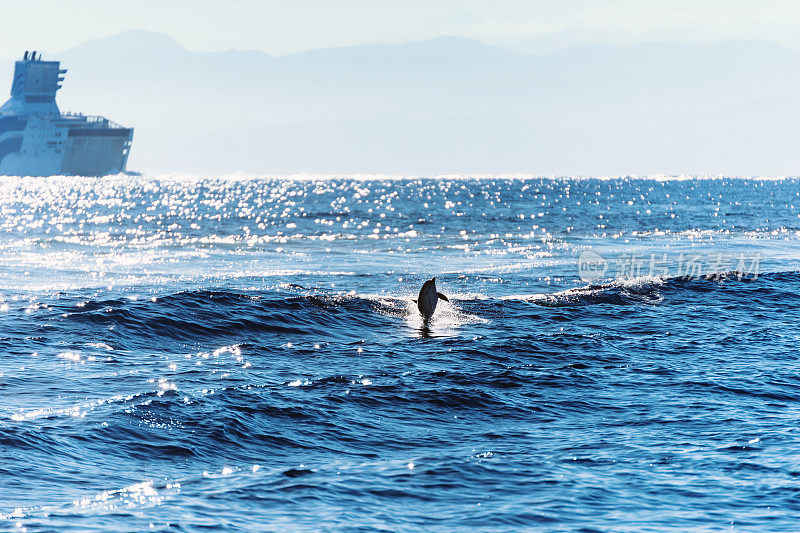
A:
186, 353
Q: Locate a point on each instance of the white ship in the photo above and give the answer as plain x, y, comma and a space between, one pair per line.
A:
37, 140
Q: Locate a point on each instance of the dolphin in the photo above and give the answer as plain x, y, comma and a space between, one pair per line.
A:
428, 298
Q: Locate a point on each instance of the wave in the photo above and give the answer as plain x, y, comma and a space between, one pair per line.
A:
654, 289
202, 314
191, 316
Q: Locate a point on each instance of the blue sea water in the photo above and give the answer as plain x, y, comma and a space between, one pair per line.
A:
208, 354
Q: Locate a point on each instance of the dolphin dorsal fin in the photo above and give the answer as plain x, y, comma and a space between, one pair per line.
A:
442, 296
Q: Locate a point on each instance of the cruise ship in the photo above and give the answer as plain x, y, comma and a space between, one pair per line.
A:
36, 139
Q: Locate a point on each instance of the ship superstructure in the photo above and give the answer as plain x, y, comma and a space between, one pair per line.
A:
36, 139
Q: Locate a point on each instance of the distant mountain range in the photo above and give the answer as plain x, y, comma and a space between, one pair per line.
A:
446, 105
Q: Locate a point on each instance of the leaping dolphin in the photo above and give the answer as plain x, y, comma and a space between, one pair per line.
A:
428, 298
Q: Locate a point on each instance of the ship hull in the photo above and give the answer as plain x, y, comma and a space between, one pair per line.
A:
96, 152
45, 148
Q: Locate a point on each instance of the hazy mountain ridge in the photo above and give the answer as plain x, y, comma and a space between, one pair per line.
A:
444, 105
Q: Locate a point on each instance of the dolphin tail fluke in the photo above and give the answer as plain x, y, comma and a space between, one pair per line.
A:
442, 296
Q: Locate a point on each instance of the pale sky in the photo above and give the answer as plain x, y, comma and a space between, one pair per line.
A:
284, 26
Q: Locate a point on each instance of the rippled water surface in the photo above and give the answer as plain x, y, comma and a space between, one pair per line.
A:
195, 354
